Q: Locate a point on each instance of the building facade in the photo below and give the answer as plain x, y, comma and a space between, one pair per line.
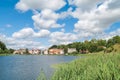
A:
56, 51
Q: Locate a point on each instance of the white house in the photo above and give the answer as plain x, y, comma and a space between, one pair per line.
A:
70, 50
45, 51
34, 51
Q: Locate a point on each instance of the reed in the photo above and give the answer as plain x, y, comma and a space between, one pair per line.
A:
91, 67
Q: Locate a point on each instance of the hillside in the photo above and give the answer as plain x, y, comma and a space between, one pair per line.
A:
116, 48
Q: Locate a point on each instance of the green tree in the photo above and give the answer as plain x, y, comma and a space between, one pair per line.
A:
101, 42
26, 52
11, 50
54, 46
2, 46
110, 42
3, 49
116, 39
65, 49
93, 46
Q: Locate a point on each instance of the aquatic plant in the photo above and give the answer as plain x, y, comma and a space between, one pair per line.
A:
93, 67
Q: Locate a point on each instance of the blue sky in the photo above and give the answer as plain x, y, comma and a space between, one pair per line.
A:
40, 23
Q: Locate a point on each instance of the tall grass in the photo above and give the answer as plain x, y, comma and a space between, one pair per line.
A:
92, 67
42, 75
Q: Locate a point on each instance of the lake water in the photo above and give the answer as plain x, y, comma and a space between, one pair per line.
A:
28, 67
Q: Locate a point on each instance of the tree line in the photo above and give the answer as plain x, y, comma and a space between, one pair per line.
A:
4, 50
94, 45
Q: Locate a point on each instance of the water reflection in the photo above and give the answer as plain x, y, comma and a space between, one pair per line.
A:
21, 67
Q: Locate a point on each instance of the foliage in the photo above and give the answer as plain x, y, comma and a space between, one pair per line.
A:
92, 67
91, 46
11, 50
26, 51
2, 46
42, 76
65, 49
4, 50
54, 46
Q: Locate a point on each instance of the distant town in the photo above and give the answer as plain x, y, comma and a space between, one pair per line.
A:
91, 46
46, 51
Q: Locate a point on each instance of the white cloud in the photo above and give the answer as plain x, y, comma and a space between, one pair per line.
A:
25, 5
16, 44
42, 33
21, 43
62, 38
46, 19
85, 5
29, 33
110, 34
24, 33
93, 20
96, 20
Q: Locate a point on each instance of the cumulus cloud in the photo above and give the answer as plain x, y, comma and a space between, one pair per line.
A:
110, 34
25, 5
94, 17
46, 19
85, 5
14, 43
96, 20
24, 33
42, 33
29, 33
62, 38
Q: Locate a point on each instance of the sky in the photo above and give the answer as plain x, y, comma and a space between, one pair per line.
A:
42, 23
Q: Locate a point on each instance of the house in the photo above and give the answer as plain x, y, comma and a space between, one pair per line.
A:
45, 51
34, 51
30, 51
84, 51
56, 51
19, 51
71, 50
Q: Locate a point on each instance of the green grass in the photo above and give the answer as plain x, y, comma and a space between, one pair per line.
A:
5, 54
91, 67
42, 76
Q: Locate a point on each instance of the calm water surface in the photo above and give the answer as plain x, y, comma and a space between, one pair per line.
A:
27, 67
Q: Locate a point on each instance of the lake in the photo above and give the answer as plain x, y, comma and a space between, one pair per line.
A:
28, 67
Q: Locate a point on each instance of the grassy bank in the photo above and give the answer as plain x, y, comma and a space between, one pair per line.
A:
5, 54
92, 67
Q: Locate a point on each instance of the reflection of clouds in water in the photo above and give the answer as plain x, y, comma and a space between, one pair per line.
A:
21, 67
48, 61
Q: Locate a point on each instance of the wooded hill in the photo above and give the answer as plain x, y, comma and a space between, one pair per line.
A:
93, 45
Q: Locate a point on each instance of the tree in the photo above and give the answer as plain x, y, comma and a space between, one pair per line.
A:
11, 50
110, 42
54, 46
2, 46
65, 49
116, 39
93, 46
101, 42
78, 46
26, 51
